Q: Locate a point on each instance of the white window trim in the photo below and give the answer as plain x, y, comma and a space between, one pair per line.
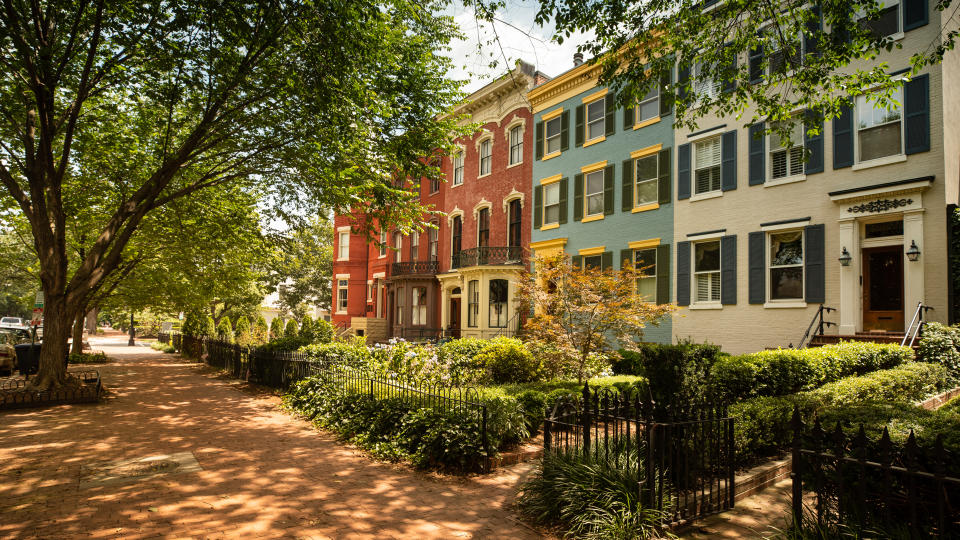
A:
637, 120
707, 304
384, 238
544, 209
369, 290
898, 35
340, 245
480, 141
694, 196
648, 276
768, 158
398, 248
586, 119
885, 160
784, 302
520, 122
484, 203
462, 153
338, 278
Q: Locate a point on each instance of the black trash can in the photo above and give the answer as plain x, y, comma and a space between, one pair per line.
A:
28, 358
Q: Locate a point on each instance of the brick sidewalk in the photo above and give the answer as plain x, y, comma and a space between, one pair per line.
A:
264, 473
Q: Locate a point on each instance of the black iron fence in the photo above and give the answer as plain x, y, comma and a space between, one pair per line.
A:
415, 268
684, 456
873, 488
487, 255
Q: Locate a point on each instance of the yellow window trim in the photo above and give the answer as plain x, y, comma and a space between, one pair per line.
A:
550, 156
591, 142
593, 167
645, 208
547, 244
644, 152
592, 251
641, 244
597, 217
646, 123
551, 115
551, 179
550, 227
594, 96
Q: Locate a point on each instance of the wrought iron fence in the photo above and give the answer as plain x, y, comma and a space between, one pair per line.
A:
872, 488
415, 268
684, 455
88, 389
487, 255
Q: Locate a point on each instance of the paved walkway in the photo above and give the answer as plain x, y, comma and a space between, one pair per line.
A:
264, 473
763, 515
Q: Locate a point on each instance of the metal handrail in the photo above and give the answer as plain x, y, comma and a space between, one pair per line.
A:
822, 323
496, 255
911, 332
514, 321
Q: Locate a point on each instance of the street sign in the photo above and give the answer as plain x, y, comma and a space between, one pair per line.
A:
38, 302
37, 318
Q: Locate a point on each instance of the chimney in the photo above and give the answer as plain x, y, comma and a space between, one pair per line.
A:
577, 59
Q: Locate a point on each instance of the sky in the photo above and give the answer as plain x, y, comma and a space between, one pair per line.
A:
519, 38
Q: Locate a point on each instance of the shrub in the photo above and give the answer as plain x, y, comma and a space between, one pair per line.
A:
260, 333
225, 330
210, 328
911, 382
285, 344
307, 330
98, 357
676, 372
276, 329
458, 355
352, 353
323, 331
952, 406
534, 405
163, 347
941, 344
194, 324
291, 329
242, 330
507, 360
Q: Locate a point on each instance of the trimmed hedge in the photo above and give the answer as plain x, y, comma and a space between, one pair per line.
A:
676, 372
911, 382
941, 344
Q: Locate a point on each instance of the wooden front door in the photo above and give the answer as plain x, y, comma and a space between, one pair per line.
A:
454, 327
883, 289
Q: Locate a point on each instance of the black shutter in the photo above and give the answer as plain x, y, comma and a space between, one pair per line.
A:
757, 145
728, 161
843, 138
814, 264
666, 104
578, 134
578, 197
813, 143
609, 178
611, 115
757, 286
606, 260
577, 262
756, 62
664, 180
916, 114
663, 274
728, 269
683, 78
811, 38
683, 171
539, 142
914, 14
538, 207
626, 193
730, 82
564, 131
626, 259
564, 186
683, 273
628, 118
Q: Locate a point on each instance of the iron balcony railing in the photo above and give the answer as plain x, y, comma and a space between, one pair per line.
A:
415, 268
500, 255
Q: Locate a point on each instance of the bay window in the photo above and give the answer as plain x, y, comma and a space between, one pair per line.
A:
498, 304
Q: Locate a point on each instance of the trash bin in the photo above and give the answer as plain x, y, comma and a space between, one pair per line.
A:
28, 358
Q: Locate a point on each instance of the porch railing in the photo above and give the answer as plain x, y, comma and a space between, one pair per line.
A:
411, 268
916, 325
500, 255
819, 323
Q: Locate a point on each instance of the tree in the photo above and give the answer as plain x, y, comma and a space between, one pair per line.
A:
242, 330
276, 329
291, 330
194, 324
225, 330
260, 333
308, 104
210, 328
580, 313
307, 329
307, 266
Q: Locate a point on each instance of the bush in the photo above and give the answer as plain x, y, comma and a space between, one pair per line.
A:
163, 347
352, 353
225, 330
291, 329
210, 328
323, 330
194, 324
285, 344
506, 360
260, 333
458, 355
242, 330
307, 331
676, 372
911, 382
276, 329
534, 405
941, 344
99, 357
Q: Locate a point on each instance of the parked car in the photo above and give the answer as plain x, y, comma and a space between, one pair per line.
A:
14, 323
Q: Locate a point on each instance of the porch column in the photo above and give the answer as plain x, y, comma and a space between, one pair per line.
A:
444, 306
849, 276
912, 270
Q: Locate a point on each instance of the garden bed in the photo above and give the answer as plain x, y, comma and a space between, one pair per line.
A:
85, 387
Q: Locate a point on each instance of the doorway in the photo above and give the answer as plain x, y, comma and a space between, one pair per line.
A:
883, 289
454, 326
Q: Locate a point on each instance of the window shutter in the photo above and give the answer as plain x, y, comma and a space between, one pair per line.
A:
606, 260
916, 113
811, 38
664, 180
579, 133
757, 268
666, 105
578, 197
728, 165
914, 14
564, 186
757, 145
538, 207
814, 264
564, 131
626, 194
539, 141
626, 259
663, 274
728, 269
683, 273
843, 139
730, 83
683, 79
577, 262
608, 183
813, 143
628, 118
611, 117
756, 62
683, 171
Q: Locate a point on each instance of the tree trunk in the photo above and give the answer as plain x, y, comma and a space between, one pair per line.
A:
57, 323
77, 347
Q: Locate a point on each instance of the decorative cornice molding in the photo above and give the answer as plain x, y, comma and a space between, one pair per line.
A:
484, 203
880, 205
513, 195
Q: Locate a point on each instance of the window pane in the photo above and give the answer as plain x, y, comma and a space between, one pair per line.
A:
880, 141
871, 113
645, 262
553, 144
886, 24
553, 127
595, 204
649, 109
595, 129
707, 256
647, 192
593, 261
595, 110
595, 182
786, 283
707, 152
715, 287
647, 168
786, 248
552, 214
647, 288
551, 194
708, 180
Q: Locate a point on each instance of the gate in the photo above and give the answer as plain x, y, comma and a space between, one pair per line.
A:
684, 454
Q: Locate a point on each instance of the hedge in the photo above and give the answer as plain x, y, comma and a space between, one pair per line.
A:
940, 344
676, 372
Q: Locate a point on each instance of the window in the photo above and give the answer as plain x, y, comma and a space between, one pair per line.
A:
399, 320
434, 185
342, 285
703, 84
414, 245
645, 263
397, 243
343, 246
553, 135
513, 232
370, 291
498, 304
433, 237
485, 156
706, 271
883, 229
458, 168
879, 127
383, 243
418, 314
593, 261
596, 119
786, 265
483, 228
787, 160
707, 165
887, 22
780, 59
551, 203
646, 189
516, 145
457, 235
594, 193
473, 303
649, 106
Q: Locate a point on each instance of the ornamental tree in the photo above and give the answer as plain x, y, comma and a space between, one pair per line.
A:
260, 333
583, 312
276, 329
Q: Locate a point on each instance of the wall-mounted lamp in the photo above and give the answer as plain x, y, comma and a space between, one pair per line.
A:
913, 252
845, 257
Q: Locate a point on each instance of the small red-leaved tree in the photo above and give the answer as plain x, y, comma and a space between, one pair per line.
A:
579, 313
